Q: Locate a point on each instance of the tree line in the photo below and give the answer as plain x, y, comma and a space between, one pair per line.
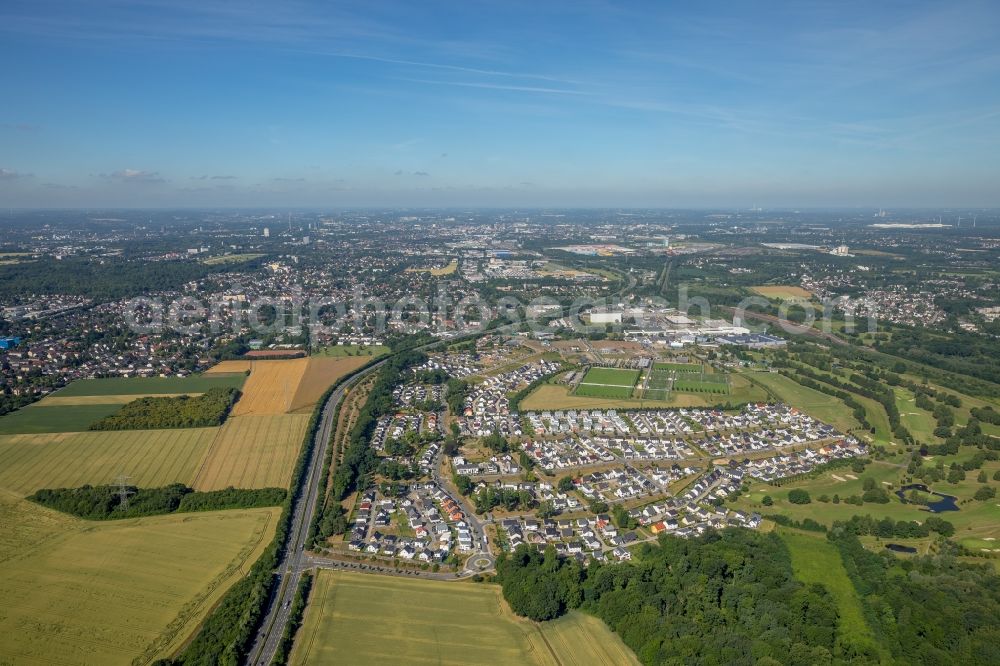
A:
109, 502
183, 411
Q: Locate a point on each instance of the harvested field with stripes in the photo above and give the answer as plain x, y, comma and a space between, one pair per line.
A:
256, 451
152, 458
383, 619
320, 374
579, 639
116, 592
271, 387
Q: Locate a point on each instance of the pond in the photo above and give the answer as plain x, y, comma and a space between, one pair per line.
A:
900, 548
945, 503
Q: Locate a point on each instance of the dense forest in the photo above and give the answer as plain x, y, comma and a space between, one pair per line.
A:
206, 410
926, 610
104, 279
105, 502
730, 597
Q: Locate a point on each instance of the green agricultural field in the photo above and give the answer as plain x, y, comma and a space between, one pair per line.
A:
38, 418
69, 460
816, 560
152, 385
337, 351
117, 592
380, 619
608, 383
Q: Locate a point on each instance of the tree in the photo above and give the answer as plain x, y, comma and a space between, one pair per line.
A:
463, 483
767, 501
799, 496
546, 509
495, 442
597, 506
566, 484
985, 493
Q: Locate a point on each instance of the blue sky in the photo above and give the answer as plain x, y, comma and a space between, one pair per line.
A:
247, 103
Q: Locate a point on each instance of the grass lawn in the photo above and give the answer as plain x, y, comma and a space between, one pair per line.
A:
819, 405
608, 383
919, 422
555, 396
816, 560
337, 351
710, 385
677, 367
115, 592
383, 619
974, 520
611, 376
231, 259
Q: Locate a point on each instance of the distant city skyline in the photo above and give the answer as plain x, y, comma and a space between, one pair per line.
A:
584, 104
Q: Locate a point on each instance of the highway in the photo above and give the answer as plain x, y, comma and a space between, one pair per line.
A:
294, 560
290, 568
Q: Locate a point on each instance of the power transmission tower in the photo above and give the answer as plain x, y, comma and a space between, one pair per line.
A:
124, 491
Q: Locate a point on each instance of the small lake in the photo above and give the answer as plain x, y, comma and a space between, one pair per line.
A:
900, 548
944, 503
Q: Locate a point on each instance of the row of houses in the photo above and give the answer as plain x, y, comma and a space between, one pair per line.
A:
571, 421
626, 482
587, 538
454, 365
436, 519
408, 395
487, 406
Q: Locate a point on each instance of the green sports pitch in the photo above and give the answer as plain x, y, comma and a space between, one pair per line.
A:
608, 383
684, 377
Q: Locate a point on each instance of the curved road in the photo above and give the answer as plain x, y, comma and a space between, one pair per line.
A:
290, 568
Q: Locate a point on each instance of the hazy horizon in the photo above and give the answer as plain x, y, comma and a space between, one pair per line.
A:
827, 105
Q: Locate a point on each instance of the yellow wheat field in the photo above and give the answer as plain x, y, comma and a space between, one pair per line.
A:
320, 374
271, 387
116, 592
254, 451
227, 367
150, 458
